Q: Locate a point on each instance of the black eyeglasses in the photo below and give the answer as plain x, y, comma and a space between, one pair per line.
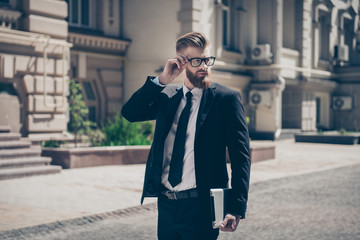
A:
195, 62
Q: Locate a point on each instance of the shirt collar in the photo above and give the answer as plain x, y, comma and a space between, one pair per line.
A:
196, 92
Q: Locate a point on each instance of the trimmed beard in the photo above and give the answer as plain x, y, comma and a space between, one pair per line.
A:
198, 82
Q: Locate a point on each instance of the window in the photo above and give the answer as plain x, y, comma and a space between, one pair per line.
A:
289, 14
92, 113
225, 21
231, 24
89, 91
349, 37
81, 13
324, 35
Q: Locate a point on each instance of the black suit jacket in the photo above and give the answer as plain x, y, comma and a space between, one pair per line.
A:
220, 124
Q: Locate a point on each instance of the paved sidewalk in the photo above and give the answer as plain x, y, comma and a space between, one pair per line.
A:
82, 192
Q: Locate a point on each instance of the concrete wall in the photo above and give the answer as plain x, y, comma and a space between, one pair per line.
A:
348, 119
45, 16
35, 64
153, 29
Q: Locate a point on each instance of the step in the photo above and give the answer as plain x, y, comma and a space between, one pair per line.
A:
28, 171
19, 153
14, 144
288, 133
23, 162
5, 128
10, 136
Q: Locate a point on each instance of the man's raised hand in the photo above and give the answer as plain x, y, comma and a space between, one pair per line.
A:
173, 68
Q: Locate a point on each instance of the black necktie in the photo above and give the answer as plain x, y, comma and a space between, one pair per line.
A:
177, 157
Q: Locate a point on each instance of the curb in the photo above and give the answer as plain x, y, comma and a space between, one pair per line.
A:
62, 226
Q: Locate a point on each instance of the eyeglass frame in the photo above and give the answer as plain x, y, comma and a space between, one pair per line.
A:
202, 60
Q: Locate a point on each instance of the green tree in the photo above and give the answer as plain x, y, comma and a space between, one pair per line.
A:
78, 111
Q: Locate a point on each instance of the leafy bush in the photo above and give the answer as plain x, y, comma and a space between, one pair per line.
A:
320, 132
96, 137
52, 143
343, 131
119, 131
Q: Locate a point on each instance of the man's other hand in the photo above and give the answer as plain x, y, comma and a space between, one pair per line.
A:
230, 223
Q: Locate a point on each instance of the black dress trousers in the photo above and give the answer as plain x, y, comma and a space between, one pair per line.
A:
183, 220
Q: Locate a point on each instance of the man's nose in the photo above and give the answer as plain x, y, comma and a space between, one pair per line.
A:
203, 65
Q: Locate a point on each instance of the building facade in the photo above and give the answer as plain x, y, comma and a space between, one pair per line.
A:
44, 44
295, 62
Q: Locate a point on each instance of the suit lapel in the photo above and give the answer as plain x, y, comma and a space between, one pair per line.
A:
206, 103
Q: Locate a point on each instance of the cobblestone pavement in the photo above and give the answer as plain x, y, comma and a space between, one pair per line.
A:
321, 205
77, 193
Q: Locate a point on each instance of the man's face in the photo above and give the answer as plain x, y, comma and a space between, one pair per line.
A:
198, 76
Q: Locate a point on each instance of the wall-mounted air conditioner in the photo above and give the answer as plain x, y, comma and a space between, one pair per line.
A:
261, 52
342, 102
260, 98
341, 53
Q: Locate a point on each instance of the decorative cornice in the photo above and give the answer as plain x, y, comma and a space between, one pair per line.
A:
97, 43
9, 15
9, 18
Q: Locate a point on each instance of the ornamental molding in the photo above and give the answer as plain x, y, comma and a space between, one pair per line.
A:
98, 43
9, 15
9, 18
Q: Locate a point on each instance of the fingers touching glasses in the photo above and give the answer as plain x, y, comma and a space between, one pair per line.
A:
181, 60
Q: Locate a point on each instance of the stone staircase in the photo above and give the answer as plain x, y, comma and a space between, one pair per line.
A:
18, 159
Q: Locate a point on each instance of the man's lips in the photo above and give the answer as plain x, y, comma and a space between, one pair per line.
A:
202, 73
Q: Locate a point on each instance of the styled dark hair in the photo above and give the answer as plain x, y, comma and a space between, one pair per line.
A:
192, 39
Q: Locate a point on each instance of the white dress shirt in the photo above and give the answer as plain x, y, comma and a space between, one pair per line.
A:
188, 176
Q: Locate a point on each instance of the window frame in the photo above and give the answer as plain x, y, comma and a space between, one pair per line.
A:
90, 102
79, 23
230, 39
324, 35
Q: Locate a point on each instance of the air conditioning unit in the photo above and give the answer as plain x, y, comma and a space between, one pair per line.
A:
261, 52
341, 53
342, 102
260, 98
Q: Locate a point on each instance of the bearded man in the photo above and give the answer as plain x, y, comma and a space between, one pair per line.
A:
195, 123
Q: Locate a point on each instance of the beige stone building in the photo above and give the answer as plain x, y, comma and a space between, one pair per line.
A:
295, 62
43, 44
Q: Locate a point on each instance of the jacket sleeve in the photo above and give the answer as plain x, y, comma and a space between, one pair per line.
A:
239, 153
143, 104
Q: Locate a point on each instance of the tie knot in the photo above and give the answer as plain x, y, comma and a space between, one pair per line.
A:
188, 95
